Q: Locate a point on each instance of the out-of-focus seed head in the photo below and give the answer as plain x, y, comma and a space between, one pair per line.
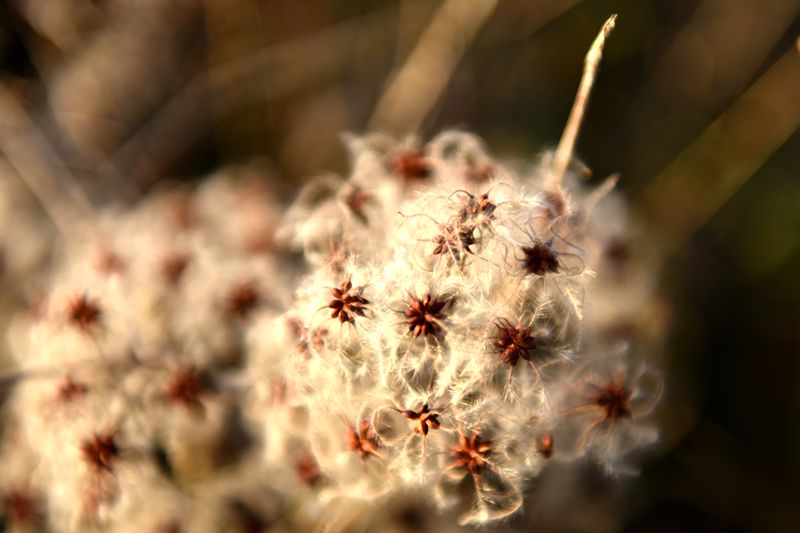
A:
70, 390
110, 263
242, 300
356, 199
186, 387
173, 267
22, 509
307, 469
545, 445
83, 312
363, 440
100, 451
613, 398
411, 165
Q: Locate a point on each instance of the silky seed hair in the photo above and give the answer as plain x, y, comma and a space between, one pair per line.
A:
453, 339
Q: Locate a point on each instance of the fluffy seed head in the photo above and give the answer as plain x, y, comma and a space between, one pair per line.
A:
424, 419
307, 469
362, 441
474, 207
356, 198
471, 453
83, 312
425, 315
242, 300
540, 259
21, 509
348, 302
411, 165
174, 266
544, 445
514, 342
71, 390
613, 398
186, 387
100, 451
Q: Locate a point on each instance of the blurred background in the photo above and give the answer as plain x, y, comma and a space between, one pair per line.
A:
697, 105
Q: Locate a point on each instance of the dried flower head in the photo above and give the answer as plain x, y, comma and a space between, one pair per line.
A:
242, 300
21, 509
454, 240
186, 387
514, 342
356, 199
307, 469
473, 208
363, 440
70, 390
544, 445
424, 419
613, 399
100, 452
425, 316
540, 259
471, 453
555, 204
83, 312
306, 340
174, 266
348, 302
411, 165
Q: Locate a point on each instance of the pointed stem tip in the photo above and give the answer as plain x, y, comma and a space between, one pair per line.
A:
566, 145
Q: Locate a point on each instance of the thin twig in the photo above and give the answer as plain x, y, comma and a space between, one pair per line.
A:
416, 86
566, 145
36, 162
703, 69
264, 75
722, 158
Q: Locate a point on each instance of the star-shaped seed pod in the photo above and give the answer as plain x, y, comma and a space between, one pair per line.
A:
453, 240
613, 398
425, 316
363, 441
83, 312
100, 451
471, 453
424, 419
348, 302
540, 259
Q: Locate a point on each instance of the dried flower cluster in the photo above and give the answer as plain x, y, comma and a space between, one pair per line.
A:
461, 355
459, 324
414, 342
125, 419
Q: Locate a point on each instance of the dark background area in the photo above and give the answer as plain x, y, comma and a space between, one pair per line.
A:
133, 94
